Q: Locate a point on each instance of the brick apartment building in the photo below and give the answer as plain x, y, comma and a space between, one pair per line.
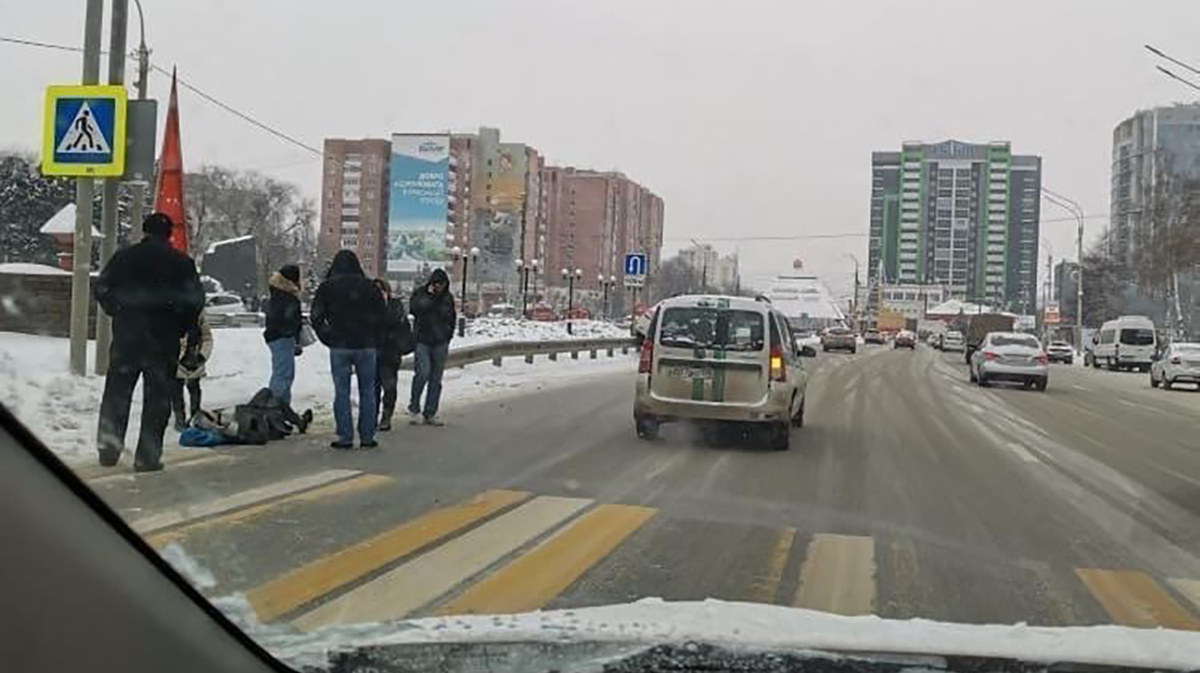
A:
354, 201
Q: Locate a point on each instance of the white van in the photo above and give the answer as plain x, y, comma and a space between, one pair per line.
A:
1128, 342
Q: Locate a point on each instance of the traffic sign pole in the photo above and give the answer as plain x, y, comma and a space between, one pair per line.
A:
82, 255
108, 218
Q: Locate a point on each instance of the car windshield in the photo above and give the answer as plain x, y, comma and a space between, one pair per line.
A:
1137, 337
716, 329
430, 321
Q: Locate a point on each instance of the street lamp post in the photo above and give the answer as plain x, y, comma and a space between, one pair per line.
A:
524, 271
608, 288
1075, 209
466, 256
571, 278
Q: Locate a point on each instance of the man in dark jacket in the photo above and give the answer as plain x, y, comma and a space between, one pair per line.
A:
282, 329
432, 308
347, 312
154, 295
395, 341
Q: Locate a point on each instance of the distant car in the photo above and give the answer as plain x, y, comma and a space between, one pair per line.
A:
1010, 356
839, 338
721, 359
1060, 351
542, 313
224, 304
872, 336
936, 339
1180, 363
953, 342
905, 339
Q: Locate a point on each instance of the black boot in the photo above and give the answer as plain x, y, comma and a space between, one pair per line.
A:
305, 421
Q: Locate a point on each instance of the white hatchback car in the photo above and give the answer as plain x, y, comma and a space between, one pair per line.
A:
1180, 363
1010, 356
721, 359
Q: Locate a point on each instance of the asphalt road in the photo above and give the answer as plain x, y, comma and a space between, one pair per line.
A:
909, 493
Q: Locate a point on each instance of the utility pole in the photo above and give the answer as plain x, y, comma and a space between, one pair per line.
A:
108, 217
136, 213
82, 253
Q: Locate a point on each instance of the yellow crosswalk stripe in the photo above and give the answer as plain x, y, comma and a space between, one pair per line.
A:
1189, 588
838, 575
420, 581
355, 485
1132, 598
309, 582
767, 585
533, 579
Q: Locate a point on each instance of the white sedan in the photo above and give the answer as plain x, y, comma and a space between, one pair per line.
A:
1010, 356
1180, 363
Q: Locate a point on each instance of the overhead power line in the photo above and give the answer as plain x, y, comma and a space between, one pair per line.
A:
244, 116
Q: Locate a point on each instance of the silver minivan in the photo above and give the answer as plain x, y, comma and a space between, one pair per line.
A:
721, 359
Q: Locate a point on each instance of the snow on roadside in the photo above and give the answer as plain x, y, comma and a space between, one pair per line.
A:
484, 330
62, 409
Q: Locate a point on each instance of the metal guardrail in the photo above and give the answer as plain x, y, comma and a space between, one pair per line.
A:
496, 351
235, 319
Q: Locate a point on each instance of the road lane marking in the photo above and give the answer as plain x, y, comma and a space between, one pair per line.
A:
767, 585
838, 575
298, 587
1131, 598
534, 579
1144, 407
338, 488
430, 575
190, 512
176, 464
1085, 389
1022, 453
1190, 589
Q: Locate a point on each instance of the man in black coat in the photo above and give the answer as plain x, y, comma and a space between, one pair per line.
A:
283, 325
154, 295
434, 317
347, 312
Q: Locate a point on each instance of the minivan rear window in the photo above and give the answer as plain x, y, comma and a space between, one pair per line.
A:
1015, 340
712, 328
1137, 337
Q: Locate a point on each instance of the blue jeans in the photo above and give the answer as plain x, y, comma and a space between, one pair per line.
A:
428, 364
342, 361
283, 368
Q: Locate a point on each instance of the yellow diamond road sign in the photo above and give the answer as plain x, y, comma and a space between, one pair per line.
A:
84, 131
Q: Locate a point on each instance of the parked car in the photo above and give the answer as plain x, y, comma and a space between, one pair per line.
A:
905, 339
223, 303
1060, 351
542, 313
1010, 356
1129, 342
953, 342
839, 338
873, 336
721, 359
1179, 363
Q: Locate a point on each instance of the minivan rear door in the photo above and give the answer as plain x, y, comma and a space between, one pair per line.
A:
709, 352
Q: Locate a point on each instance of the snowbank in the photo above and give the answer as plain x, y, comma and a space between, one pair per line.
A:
747, 625
484, 330
32, 269
63, 409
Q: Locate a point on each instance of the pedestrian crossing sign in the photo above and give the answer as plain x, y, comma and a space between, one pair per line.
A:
84, 131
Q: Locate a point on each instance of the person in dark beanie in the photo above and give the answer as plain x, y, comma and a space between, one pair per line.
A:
347, 312
283, 326
395, 341
434, 317
154, 296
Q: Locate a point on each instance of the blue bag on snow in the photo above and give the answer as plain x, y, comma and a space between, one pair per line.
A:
201, 437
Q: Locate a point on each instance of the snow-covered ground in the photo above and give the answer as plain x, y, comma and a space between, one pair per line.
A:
62, 409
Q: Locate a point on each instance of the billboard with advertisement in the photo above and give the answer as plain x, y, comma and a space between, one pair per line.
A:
502, 225
416, 225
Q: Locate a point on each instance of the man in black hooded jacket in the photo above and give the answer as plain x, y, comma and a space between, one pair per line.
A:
432, 308
347, 312
154, 295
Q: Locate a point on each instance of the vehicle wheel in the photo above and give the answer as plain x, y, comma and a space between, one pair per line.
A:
1070, 361
971, 373
1166, 383
780, 436
1145, 368
853, 351
1041, 384
825, 348
647, 427
983, 382
798, 419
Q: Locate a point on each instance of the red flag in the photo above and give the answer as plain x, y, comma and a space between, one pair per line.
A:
168, 192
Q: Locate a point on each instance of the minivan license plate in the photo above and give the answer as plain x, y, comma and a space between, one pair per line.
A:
690, 372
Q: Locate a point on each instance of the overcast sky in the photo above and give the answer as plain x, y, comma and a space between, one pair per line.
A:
749, 118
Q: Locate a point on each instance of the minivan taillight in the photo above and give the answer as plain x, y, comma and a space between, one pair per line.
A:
778, 372
647, 359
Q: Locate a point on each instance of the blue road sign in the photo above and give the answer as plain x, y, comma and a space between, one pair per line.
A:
84, 131
635, 264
